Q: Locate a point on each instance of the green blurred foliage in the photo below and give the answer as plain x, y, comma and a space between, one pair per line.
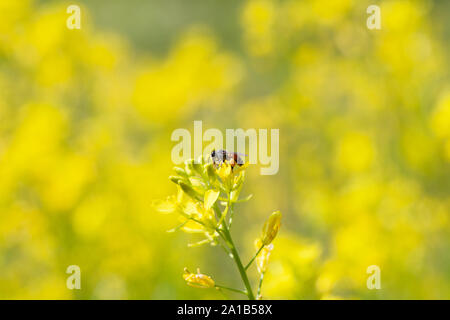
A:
85, 123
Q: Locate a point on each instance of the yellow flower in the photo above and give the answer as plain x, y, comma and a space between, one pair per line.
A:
224, 171
240, 168
271, 228
166, 206
230, 175
198, 280
197, 211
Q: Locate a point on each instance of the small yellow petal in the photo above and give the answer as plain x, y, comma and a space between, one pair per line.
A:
198, 280
224, 171
165, 206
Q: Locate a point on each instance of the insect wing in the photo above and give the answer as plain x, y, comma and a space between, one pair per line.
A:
236, 157
231, 154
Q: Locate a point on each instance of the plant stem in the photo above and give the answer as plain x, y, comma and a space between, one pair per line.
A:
231, 289
238, 262
229, 241
225, 248
223, 215
230, 221
260, 284
254, 257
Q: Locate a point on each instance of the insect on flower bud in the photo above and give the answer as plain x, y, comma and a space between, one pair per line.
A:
198, 280
271, 228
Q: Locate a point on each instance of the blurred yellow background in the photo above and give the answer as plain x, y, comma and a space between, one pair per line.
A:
85, 123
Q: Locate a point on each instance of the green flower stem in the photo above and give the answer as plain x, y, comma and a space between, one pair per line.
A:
178, 227
238, 262
231, 289
223, 215
227, 251
254, 257
260, 284
230, 221
225, 232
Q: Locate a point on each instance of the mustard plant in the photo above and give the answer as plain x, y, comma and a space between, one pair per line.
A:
205, 204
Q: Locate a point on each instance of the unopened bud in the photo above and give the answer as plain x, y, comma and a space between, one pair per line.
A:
194, 166
189, 166
271, 228
180, 171
175, 179
209, 168
187, 189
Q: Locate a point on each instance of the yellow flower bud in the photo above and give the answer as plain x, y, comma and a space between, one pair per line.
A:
271, 228
187, 189
180, 171
194, 166
189, 167
209, 168
199, 168
175, 179
198, 280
